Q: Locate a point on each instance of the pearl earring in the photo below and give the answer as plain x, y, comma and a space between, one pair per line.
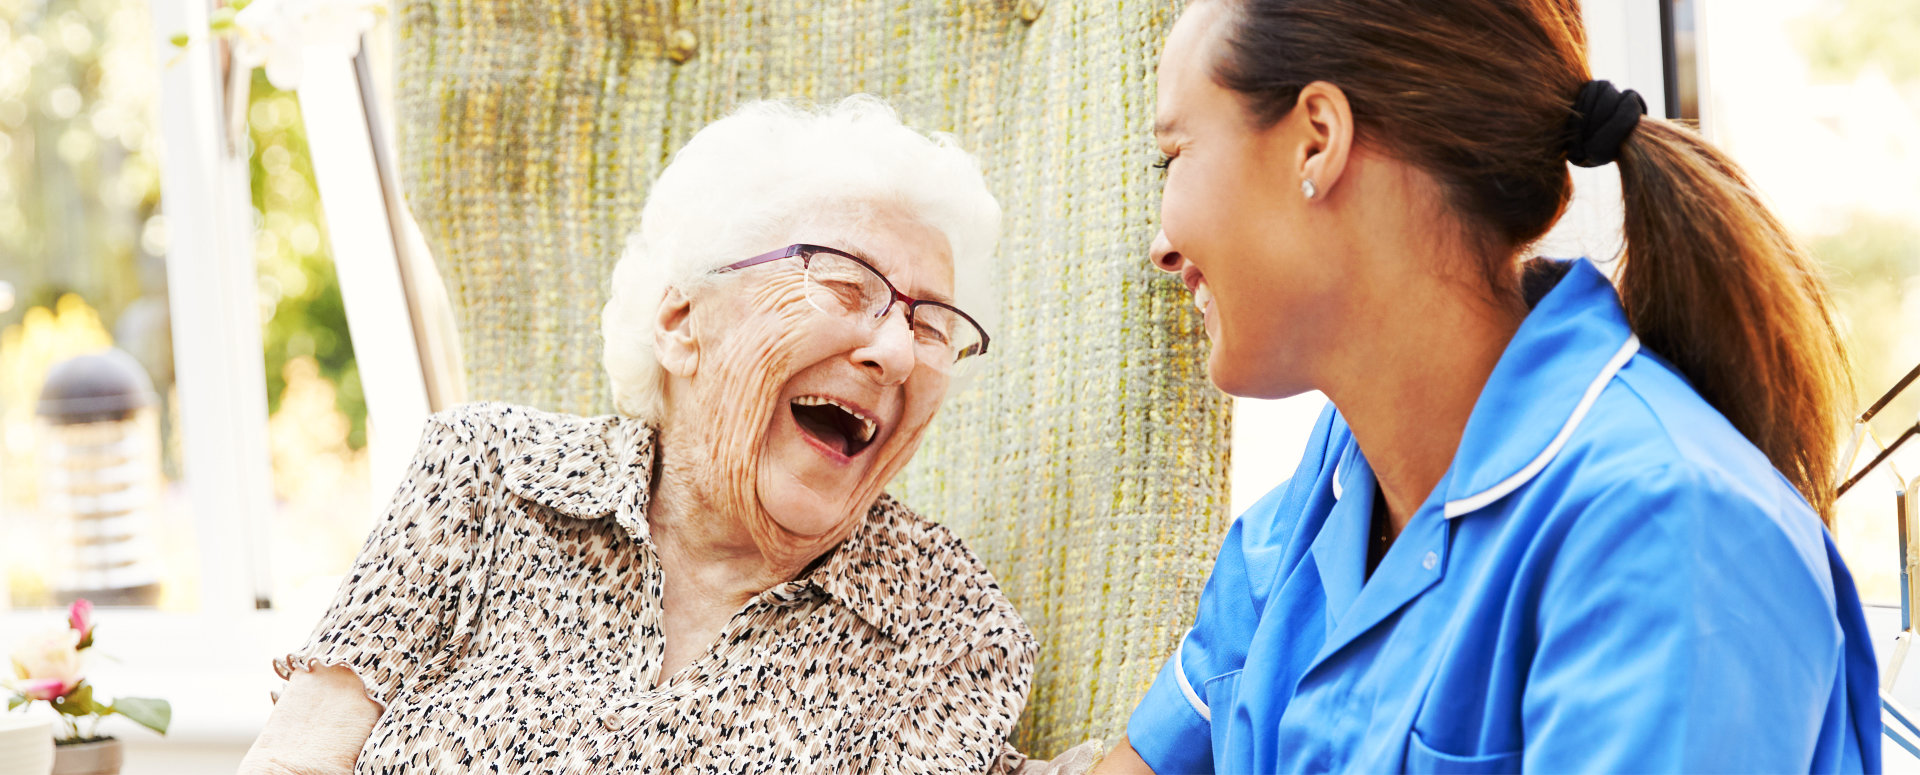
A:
1307, 188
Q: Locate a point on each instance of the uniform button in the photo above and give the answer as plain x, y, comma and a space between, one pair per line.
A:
1430, 560
1030, 10
612, 722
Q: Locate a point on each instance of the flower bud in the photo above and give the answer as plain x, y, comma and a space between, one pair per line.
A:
80, 618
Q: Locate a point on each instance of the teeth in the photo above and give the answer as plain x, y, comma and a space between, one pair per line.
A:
1202, 297
867, 427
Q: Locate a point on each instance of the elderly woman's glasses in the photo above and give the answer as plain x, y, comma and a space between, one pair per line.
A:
844, 285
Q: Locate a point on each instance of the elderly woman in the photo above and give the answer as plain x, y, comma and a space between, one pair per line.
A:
711, 580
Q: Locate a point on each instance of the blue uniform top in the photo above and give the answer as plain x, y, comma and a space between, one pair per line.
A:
1609, 578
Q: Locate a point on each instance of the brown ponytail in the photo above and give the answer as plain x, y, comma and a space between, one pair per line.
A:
1713, 283
1479, 93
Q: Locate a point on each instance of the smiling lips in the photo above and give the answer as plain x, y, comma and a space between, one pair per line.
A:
1197, 285
838, 425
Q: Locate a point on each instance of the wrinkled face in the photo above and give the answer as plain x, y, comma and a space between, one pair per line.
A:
809, 414
1234, 225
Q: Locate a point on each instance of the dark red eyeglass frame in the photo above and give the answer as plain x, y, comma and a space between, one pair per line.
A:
806, 252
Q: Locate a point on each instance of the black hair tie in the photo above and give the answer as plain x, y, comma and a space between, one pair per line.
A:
1603, 116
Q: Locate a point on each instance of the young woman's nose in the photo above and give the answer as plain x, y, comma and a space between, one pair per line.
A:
1163, 256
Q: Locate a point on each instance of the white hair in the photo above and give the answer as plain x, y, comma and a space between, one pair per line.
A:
753, 176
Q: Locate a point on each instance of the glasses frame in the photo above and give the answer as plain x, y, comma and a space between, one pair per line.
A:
806, 253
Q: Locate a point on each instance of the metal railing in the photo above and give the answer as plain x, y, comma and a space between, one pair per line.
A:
1896, 720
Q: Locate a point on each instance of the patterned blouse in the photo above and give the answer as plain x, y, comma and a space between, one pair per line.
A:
506, 615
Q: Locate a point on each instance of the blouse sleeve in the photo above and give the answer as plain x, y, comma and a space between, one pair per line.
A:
396, 615
963, 721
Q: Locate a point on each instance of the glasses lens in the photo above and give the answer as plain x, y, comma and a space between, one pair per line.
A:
839, 286
944, 337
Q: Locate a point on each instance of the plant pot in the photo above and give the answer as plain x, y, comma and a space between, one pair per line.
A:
100, 757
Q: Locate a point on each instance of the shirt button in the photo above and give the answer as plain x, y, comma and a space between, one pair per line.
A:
1430, 560
612, 722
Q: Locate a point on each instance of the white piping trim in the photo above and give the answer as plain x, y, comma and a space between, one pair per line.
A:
1180, 669
1339, 470
1479, 501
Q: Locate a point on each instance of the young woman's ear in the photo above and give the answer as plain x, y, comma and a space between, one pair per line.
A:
675, 342
1322, 125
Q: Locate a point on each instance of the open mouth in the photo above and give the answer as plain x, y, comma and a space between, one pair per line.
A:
837, 426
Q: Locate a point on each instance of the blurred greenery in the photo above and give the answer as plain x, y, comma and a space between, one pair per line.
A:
79, 181
298, 286
1874, 257
1875, 266
1843, 37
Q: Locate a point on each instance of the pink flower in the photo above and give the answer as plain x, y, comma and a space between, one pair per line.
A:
48, 689
49, 661
80, 618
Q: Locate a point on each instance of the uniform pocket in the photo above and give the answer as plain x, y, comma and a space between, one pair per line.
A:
1423, 758
1219, 692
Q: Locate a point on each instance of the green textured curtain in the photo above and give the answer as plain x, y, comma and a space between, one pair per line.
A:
1087, 465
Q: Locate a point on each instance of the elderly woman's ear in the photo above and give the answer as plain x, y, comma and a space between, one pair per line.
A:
675, 343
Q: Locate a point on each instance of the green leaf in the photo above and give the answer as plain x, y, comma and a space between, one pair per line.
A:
153, 714
221, 18
78, 702
16, 701
180, 40
240, 5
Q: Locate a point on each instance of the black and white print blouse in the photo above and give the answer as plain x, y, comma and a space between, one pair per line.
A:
506, 616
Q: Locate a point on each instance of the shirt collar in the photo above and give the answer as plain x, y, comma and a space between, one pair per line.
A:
582, 467
1565, 353
912, 580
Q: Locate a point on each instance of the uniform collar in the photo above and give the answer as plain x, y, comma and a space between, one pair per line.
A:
910, 579
1567, 350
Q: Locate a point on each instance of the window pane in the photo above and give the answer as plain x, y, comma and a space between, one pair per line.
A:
86, 496
1817, 100
318, 421
96, 506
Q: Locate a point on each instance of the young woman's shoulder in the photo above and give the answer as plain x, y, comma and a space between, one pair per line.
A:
1658, 468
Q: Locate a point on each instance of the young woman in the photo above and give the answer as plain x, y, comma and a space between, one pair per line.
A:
1546, 524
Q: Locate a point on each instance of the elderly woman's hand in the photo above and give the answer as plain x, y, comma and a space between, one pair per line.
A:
317, 727
1073, 761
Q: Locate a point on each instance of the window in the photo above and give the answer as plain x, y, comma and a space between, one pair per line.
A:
1817, 99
